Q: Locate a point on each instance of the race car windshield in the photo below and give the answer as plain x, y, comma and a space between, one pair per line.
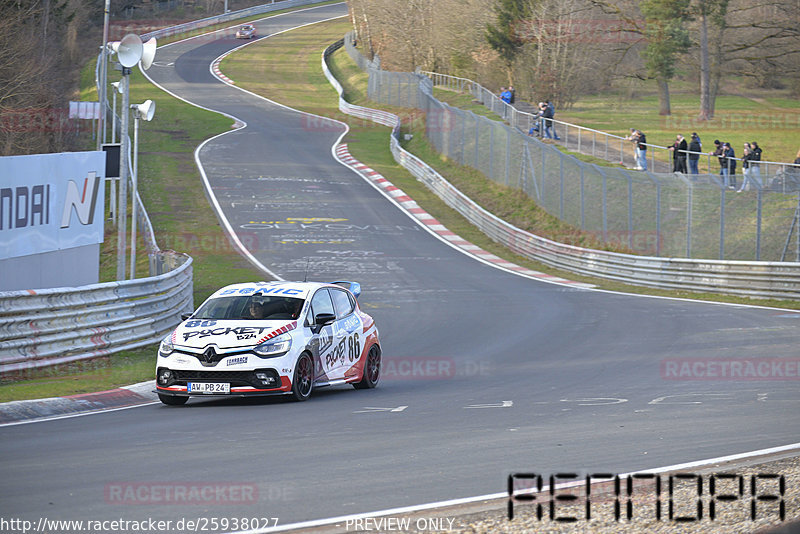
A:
255, 308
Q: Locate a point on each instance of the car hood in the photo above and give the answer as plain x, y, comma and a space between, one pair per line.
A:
198, 334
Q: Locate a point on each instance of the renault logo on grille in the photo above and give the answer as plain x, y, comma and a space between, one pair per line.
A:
209, 355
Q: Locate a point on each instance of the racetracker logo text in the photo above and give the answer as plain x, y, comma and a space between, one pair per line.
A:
730, 369
172, 493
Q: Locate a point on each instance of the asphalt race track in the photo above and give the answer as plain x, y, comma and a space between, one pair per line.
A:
486, 373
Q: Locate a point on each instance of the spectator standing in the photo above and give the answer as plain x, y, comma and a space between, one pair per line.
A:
755, 166
694, 146
549, 114
746, 156
513, 94
678, 149
730, 159
505, 95
639, 147
719, 152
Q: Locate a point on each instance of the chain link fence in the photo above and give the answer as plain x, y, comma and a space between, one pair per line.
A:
665, 215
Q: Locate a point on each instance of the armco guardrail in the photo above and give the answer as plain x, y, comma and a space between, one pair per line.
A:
227, 17
62, 325
744, 278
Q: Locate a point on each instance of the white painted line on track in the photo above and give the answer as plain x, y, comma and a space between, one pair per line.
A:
79, 414
504, 495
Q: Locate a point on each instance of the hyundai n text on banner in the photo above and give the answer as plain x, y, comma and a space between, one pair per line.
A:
51, 219
50, 202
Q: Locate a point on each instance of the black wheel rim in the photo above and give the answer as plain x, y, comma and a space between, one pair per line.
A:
304, 376
373, 365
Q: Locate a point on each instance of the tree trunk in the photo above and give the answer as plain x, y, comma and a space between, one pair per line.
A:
706, 106
663, 97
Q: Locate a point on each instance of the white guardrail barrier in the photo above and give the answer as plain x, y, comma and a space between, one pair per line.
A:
227, 17
62, 325
780, 280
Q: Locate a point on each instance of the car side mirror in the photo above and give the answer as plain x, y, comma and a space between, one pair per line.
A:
321, 319
185, 316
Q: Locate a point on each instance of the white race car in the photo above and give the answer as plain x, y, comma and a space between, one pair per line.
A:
269, 338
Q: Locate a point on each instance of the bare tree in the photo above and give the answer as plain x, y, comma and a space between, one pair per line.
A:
37, 73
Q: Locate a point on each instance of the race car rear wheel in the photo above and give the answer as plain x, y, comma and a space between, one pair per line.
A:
372, 369
303, 378
172, 400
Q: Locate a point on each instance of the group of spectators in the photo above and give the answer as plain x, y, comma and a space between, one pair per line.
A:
751, 168
543, 123
507, 95
684, 152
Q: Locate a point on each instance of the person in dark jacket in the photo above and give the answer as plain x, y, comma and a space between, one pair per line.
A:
747, 159
755, 166
719, 152
730, 165
548, 111
678, 149
694, 146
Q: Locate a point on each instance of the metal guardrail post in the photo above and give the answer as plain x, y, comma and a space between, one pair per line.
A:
722, 221
658, 218
583, 201
508, 157
758, 223
491, 151
561, 195
689, 206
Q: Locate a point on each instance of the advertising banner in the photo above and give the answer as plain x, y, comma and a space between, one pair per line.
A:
51, 202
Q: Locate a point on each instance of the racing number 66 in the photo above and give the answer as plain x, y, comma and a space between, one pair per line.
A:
353, 347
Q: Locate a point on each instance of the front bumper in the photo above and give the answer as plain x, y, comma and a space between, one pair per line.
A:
242, 383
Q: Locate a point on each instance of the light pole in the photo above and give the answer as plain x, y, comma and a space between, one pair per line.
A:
117, 89
129, 52
113, 196
144, 111
103, 96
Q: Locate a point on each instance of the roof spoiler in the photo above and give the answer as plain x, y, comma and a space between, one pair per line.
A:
353, 287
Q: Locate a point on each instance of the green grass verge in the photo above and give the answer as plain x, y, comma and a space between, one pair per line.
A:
100, 374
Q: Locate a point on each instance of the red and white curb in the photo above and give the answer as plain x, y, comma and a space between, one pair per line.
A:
429, 221
218, 73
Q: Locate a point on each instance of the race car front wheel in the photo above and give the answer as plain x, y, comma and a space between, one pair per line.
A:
172, 400
303, 378
372, 369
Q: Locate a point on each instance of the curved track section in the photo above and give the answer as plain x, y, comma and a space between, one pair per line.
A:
485, 372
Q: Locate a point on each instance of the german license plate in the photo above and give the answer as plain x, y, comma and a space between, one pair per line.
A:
209, 387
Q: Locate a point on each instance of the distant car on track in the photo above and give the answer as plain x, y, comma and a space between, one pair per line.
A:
269, 338
248, 31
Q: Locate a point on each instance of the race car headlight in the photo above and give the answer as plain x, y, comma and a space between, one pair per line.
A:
277, 346
166, 347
